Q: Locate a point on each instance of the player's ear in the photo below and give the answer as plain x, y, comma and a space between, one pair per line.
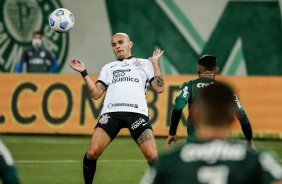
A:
233, 118
130, 44
198, 70
216, 70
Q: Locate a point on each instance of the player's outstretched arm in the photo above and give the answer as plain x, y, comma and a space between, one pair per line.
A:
95, 90
158, 82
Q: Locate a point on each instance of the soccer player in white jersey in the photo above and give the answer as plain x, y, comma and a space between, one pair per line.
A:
125, 106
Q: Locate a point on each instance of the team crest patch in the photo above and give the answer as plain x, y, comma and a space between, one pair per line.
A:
136, 62
104, 119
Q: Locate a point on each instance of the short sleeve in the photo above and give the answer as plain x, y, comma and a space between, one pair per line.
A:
184, 91
150, 71
103, 77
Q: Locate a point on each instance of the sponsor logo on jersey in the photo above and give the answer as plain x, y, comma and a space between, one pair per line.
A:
136, 62
18, 21
110, 105
185, 91
113, 65
120, 76
202, 85
213, 152
104, 119
137, 123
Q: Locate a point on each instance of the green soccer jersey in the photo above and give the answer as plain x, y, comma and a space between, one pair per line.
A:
214, 162
8, 173
187, 94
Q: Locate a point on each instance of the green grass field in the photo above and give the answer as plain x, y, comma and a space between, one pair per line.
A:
57, 159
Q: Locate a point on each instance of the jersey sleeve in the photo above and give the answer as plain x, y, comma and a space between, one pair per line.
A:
149, 71
270, 169
184, 91
103, 77
243, 119
180, 102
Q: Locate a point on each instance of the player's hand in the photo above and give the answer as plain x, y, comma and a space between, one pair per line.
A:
251, 145
77, 65
156, 55
171, 138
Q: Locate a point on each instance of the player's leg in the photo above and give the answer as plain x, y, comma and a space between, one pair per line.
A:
105, 131
148, 146
141, 131
99, 141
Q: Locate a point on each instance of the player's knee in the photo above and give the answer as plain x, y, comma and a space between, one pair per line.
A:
93, 153
152, 156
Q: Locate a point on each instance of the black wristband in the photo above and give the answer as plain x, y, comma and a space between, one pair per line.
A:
84, 73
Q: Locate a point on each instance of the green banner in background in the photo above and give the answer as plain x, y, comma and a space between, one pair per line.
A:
247, 38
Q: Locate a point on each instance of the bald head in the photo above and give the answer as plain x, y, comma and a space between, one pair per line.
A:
122, 45
124, 35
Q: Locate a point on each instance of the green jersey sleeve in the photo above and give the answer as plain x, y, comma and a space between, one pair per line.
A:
180, 102
184, 91
243, 119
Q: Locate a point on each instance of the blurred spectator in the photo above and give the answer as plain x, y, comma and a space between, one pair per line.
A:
36, 57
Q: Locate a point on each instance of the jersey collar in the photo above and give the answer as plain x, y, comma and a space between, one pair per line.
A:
126, 58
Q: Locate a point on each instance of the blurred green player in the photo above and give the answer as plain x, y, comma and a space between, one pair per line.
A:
213, 158
8, 173
207, 69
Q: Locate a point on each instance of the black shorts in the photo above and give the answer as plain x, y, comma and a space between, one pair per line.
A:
114, 121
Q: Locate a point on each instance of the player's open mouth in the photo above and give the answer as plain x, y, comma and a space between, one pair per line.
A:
119, 51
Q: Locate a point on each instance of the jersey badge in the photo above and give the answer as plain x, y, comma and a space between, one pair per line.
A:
136, 62
104, 119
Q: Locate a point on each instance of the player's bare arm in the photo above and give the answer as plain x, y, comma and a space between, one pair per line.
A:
95, 90
158, 82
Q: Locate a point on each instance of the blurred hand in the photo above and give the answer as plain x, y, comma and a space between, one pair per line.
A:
156, 55
171, 138
77, 65
251, 145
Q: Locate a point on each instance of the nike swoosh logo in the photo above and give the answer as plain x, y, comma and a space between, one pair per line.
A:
145, 124
113, 66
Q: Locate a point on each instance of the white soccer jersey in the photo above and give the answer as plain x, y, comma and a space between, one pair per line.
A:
126, 83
